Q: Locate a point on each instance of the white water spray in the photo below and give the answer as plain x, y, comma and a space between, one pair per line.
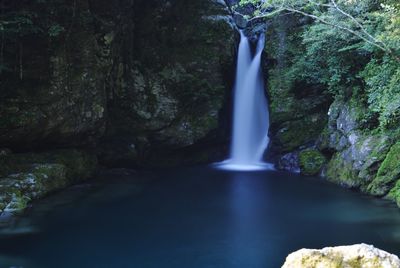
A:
250, 113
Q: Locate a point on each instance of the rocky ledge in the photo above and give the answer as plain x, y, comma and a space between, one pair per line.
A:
360, 256
28, 176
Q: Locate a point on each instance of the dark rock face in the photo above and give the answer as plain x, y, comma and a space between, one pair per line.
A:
169, 80
152, 72
290, 162
298, 111
53, 92
139, 82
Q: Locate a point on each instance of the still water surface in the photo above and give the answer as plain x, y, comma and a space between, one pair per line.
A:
192, 218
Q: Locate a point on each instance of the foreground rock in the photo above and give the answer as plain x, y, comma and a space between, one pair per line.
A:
360, 256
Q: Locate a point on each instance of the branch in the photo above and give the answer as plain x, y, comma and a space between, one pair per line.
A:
267, 15
359, 25
362, 33
338, 26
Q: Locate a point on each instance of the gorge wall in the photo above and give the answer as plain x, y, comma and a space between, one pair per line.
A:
332, 132
118, 83
141, 83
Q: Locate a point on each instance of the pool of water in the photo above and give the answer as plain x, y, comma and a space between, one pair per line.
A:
194, 217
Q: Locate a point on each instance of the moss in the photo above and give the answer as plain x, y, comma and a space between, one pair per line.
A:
50, 177
323, 139
12, 199
341, 172
394, 193
37, 182
293, 134
79, 164
388, 173
31, 176
17, 203
311, 161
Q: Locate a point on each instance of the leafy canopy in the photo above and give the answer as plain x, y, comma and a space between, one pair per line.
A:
351, 45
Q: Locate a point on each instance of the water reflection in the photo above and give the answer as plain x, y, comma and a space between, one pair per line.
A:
248, 205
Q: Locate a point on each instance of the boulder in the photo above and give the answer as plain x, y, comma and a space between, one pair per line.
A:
290, 162
311, 162
360, 256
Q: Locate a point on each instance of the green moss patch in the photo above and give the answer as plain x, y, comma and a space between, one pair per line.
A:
388, 173
26, 177
341, 172
311, 161
394, 193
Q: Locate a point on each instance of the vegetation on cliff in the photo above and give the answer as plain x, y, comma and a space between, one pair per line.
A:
336, 60
350, 47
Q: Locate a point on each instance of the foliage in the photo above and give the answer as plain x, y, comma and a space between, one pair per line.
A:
22, 21
351, 47
382, 77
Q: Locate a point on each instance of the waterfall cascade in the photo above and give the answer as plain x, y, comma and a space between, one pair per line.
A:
250, 113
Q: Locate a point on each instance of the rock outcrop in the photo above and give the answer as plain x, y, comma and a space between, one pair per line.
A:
25, 177
313, 134
360, 256
169, 77
136, 82
298, 110
53, 81
365, 160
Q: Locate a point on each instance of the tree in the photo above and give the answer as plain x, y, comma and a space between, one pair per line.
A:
353, 16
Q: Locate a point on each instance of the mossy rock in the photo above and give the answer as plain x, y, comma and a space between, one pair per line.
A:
388, 173
79, 164
311, 162
13, 202
18, 189
394, 193
33, 175
341, 171
293, 134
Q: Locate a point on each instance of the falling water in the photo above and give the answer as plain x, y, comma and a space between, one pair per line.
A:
250, 113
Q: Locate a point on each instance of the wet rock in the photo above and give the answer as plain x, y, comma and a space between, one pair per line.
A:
5, 152
240, 20
169, 85
361, 255
25, 177
290, 162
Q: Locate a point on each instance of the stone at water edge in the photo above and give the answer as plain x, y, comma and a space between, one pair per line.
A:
360, 256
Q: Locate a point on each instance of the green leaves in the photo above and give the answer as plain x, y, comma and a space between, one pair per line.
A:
339, 45
382, 77
55, 30
19, 24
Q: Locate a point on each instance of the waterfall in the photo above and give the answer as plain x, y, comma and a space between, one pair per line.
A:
250, 111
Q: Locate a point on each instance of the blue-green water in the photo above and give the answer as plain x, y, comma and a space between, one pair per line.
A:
195, 217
